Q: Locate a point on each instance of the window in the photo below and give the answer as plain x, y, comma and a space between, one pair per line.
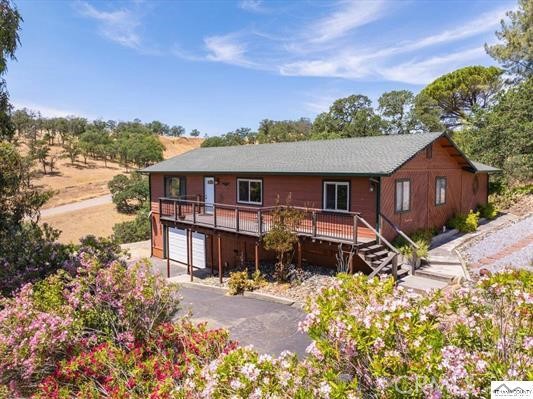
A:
440, 191
174, 186
336, 196
250, 191
403, 195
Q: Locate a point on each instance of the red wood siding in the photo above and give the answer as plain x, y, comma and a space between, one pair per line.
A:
308, 191
423, 172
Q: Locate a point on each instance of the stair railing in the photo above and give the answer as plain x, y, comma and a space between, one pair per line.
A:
391, 259
412, 244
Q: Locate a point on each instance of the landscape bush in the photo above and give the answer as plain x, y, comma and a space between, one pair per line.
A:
62, 315
239, 282
488, 211
29, 253
504, 197
465, 223
153, 368
134, 230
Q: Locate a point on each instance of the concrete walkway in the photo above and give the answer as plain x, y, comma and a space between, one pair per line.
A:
445, 263
444, 256
76, 206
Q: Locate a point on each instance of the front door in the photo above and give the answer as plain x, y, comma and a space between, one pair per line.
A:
209, 194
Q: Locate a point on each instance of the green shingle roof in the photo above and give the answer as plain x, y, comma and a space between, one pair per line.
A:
379, 155
481, 167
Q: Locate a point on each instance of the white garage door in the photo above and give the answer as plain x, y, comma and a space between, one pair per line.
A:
177, 245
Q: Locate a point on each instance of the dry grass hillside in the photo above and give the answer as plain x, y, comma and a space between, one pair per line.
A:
79, 181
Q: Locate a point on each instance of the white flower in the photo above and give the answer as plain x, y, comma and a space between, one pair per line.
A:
236, 384
250, 371
324, 389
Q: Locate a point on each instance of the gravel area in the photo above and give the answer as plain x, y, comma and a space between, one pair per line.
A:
304, 282
522, 259
509, 245
494, 242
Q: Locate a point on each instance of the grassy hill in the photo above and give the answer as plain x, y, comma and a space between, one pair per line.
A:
81, 181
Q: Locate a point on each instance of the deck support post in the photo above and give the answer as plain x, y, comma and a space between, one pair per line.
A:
189, 246
219, 258
167, 250
313, 223
299, 247
257, 256
350, 267
211, 239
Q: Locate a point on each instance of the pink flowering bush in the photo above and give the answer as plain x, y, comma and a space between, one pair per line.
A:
32, 339
243, 373
63, 315
118, 302
390, 343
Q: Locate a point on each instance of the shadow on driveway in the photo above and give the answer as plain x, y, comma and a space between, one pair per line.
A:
270, 327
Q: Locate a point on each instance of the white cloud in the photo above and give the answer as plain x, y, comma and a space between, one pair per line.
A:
252, 5
425, 71
484, 23
226, 49
340, 66
349, 63
350, 15
47, 111
120, 26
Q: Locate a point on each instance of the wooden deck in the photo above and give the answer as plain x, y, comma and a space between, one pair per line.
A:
318, 224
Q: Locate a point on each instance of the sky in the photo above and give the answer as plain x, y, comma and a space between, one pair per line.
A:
220, 65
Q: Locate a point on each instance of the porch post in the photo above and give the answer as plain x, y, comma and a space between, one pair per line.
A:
257, 256
167, 251
219, 258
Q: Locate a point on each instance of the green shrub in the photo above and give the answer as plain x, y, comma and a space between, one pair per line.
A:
504, 197
134, 230
238, 282
488, 211
465, 223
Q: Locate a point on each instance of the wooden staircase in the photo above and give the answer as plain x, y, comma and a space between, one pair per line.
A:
382, 260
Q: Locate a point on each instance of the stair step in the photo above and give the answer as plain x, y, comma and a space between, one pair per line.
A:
421, 284
371, 249
377, 255
402, 272
435, 275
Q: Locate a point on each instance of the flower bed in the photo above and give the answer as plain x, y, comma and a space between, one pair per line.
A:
303, 282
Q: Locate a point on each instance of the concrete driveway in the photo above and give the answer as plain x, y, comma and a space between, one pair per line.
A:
270, 327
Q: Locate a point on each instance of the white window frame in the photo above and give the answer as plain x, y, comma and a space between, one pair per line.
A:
325, 192
401, 192
441, 199
239, 180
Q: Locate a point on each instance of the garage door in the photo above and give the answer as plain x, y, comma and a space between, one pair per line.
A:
177, 245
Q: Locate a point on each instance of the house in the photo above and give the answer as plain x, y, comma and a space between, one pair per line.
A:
213, 205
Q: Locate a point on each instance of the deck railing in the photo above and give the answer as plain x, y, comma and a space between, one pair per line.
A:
318, 223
